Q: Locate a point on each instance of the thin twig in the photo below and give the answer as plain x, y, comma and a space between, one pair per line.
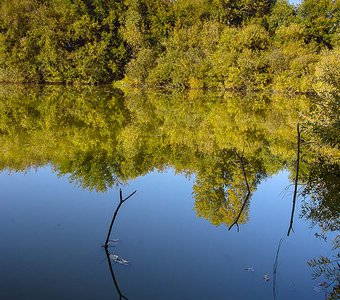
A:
121, 201
296, 178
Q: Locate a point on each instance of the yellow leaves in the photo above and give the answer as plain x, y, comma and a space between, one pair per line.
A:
195, 83
254, 37
210, 35
133, 35
138, 68
288, 34
91, 132
63, 41
327, 73
239, 62
228, 39
130, 141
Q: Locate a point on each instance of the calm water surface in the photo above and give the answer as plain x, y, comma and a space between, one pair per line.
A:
51, 233
53, 221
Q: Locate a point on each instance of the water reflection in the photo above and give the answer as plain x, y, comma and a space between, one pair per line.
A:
321, 195
102, 137
327, 272
275, 268
115, 282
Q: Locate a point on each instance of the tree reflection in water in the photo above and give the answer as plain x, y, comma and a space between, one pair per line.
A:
105, 137
102, 137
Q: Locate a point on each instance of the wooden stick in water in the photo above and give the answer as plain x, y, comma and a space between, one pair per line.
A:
121, 201
297, 167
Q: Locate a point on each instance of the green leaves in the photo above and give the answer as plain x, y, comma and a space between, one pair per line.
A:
99, 137
61, 41
321, 21
223, 44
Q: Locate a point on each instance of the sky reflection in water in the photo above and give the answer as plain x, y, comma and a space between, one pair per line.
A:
51, 233
64, 145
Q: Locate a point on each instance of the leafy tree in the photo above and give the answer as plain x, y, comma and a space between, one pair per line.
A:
215, 44
328, 268
322, 187
238, 61
282, 14
321, 21
61, 41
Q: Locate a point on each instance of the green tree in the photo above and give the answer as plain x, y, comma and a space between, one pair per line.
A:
61, 41
281, 14
321, 21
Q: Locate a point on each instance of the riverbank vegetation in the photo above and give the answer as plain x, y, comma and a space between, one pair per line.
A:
211, 44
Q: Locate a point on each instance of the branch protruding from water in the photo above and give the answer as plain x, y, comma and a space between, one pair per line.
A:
297, 168
121, 201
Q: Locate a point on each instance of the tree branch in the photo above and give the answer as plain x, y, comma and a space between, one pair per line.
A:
297, 167
247, 196
121, 201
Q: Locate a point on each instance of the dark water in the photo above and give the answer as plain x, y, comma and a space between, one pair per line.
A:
52, 226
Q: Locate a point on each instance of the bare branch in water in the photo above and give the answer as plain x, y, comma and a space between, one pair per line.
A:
297, 167
121, 201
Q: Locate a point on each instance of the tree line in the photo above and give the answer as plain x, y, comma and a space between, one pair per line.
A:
209, 44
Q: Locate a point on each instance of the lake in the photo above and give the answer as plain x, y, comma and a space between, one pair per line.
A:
215, 179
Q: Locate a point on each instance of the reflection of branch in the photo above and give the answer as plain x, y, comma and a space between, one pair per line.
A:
121, 201
275, 267
121, 296
297, 167
247, 196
